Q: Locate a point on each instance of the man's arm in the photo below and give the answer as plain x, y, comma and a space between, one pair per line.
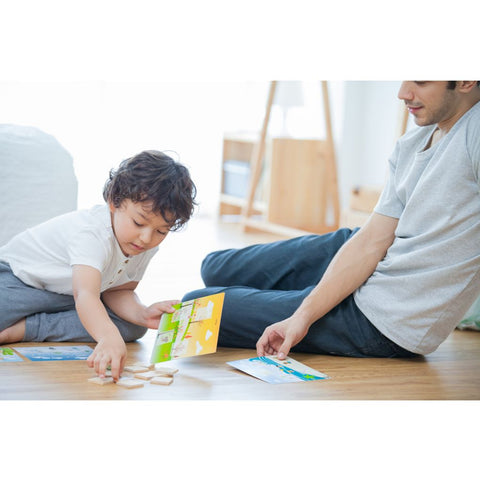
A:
353, 264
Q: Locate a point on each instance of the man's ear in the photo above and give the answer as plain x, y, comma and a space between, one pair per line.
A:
466, 86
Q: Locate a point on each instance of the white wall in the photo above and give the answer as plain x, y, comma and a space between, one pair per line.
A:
371, 119
101, 123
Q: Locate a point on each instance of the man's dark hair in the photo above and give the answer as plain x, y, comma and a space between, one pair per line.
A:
152, 176
451, 84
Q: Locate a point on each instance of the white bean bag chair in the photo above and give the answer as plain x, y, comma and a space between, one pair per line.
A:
37, 179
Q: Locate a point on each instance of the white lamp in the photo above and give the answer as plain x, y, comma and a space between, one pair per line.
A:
288, 94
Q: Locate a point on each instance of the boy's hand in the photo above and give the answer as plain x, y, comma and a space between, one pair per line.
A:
109, 351
153, 313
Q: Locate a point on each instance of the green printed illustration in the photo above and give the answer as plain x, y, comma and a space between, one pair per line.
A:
8, 355
191, 330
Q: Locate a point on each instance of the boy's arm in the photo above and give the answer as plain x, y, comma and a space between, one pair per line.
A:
125, 303
110, 349
353, 264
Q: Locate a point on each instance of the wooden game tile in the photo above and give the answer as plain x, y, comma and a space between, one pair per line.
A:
162, 380
128, 382
147, 375
166, 370
136, 368
149, 366
101, 381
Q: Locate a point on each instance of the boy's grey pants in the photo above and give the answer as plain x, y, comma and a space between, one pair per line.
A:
50, 317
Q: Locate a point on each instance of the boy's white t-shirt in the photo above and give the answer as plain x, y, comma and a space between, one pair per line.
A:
43, 256
431, 273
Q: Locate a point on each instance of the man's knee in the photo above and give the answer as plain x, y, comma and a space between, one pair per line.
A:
209, 269
202, 292
192, 295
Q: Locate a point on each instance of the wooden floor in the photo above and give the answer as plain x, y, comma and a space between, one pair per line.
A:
450, 373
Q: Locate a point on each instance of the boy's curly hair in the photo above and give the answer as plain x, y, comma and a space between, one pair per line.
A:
152, 176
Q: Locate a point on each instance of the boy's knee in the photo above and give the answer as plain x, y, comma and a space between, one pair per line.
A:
129, 331
133, 332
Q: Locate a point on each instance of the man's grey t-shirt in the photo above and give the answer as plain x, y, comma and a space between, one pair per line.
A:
431, 273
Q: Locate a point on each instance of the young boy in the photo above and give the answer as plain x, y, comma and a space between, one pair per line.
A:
73, 278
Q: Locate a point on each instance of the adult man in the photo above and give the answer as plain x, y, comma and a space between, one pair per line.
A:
396, 287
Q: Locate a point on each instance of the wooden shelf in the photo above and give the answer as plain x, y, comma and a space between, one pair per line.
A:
237, 149
231, 205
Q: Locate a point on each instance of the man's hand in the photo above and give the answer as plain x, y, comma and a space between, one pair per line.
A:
153, 313
109, 351
280, 337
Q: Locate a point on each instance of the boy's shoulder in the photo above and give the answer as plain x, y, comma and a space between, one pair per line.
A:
100, 214
95, 220
95, 217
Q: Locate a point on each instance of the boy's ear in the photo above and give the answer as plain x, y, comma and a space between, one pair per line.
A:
111, 206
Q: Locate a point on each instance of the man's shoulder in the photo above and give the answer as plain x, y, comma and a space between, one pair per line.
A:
472, 132
414, 140
473, 120
416, 134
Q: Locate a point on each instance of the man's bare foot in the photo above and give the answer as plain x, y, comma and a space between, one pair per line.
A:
13, 334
